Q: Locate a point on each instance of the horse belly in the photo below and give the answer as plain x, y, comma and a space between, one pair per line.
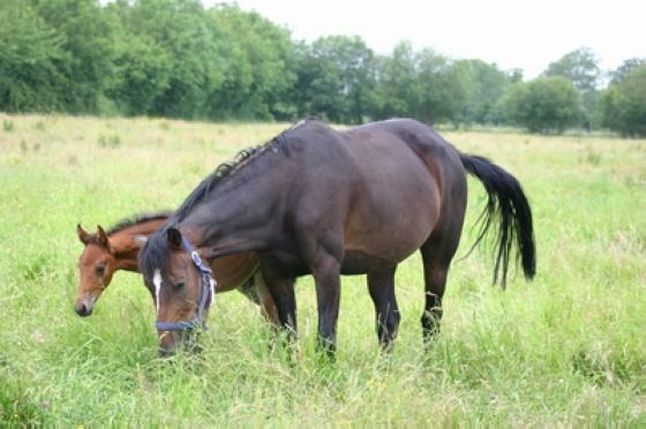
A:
392, 219
357, 262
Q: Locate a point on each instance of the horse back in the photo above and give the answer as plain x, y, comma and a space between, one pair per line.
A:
378, 186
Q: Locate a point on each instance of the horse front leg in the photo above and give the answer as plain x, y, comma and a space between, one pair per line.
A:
328, 293
381, 284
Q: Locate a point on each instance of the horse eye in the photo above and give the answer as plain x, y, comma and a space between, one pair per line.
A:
100, 270
180, 285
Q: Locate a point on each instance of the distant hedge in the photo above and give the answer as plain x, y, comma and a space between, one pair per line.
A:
175, 58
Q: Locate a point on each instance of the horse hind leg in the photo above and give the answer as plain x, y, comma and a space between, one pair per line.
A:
381, 285
437, 253
435, 279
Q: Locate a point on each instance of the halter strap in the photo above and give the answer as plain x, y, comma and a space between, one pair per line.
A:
207, 292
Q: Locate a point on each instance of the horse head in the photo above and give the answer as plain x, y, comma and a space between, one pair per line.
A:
182, 286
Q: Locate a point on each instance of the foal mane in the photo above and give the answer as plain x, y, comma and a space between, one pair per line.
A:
137, 219
128, 222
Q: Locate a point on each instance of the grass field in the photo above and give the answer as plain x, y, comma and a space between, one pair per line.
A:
568, 349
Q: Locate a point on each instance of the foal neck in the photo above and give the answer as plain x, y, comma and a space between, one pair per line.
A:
125, 245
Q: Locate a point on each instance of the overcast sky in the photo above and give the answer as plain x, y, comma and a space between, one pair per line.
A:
524, 34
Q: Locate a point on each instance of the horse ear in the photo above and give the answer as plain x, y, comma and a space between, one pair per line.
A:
102, 236
174, 237
83, 235
140, 241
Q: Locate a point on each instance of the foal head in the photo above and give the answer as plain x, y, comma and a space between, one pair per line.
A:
182, 287
96, 266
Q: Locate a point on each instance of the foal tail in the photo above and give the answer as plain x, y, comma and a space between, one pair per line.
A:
506, 200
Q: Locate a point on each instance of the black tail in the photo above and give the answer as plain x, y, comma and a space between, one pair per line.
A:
507, 201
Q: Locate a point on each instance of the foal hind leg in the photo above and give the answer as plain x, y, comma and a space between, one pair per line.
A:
267, 304
256, 290
381, 285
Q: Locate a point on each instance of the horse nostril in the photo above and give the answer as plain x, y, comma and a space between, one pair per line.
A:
83, 310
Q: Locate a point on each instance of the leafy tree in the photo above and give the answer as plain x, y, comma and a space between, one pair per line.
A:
443, 87
175, 58
259, 69
515, 75
181, 31
626, 68
581, 67
398, 88
486, 85
547, 104
142, 67
30, 55
89, 40
336, 77
623, 104
424, 85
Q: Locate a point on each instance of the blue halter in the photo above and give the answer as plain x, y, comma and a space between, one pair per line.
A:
208, 285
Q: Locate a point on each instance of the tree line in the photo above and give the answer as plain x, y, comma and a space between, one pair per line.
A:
176, 58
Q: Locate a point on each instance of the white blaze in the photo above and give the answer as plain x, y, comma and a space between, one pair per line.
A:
157, 281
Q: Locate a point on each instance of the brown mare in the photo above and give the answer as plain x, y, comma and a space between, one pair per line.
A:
326, 202
104, 253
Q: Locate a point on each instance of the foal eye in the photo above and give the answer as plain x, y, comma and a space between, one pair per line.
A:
180, 285
100, 270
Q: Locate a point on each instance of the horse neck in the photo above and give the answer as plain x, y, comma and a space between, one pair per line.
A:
239, 215
125, 246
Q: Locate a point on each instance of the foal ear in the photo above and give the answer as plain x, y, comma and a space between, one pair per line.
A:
174, 237
83, 235
102, 237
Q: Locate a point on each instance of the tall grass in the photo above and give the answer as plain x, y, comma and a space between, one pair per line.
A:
565, 350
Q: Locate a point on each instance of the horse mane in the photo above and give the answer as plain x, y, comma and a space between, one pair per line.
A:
155, 252
218, 175
225, 170
137, 219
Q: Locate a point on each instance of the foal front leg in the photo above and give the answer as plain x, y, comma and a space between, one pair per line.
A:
281, 291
